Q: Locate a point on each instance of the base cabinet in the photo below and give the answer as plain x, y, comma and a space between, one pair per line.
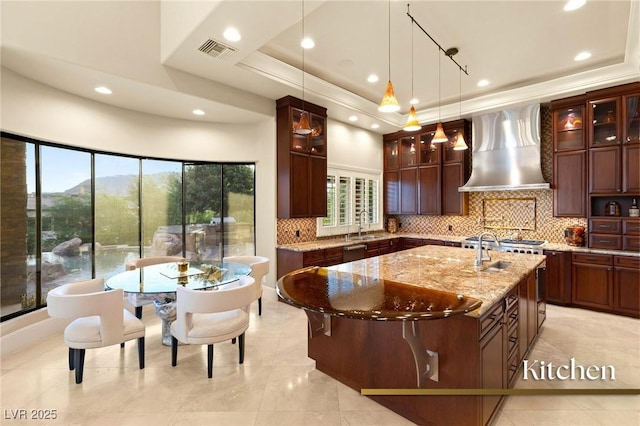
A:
592, 281
626, 286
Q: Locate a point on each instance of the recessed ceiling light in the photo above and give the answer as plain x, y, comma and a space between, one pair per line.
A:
414, 101
582, 56
198, 112
104, 90
483, 83
375, 126
353, 118
573, 5
307, 43
372, 78
231, 34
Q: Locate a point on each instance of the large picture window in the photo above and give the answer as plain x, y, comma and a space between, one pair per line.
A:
353, 202
73, 214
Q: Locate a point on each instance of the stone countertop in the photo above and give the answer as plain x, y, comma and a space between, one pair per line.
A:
446, 269
341, 242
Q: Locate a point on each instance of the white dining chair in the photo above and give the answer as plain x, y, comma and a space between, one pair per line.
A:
209, 317
136, 301
99, 319
259, 270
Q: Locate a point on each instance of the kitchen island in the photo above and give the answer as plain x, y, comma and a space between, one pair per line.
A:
376, 344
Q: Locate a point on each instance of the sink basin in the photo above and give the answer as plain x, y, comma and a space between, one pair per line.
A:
498, 266
363, 238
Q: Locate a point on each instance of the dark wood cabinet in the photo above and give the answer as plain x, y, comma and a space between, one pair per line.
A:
626, 286
631, 168
290, 260
421, 177
301, 160
592, 281
558, 277
604, 170
493, 367
528, 311
569, 157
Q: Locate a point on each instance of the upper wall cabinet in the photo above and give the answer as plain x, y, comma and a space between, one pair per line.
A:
569, 157
422, 177
302, 160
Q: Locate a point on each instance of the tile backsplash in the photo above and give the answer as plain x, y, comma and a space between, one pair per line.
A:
546, 226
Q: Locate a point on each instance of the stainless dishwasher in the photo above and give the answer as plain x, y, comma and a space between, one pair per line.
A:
351, 253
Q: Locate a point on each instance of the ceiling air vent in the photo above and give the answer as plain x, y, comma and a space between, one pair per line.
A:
216, 49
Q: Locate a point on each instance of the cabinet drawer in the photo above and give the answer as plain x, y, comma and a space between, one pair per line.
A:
312, 258
491, 318
512, 341
631, 243
332, 253
605, 241
597, 259
627, 261
512, 367
631, 227
605, 226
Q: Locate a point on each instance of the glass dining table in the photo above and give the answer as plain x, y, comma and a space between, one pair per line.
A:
159, 283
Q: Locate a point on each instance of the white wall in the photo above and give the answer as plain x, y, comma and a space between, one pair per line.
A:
44, 113
353, 147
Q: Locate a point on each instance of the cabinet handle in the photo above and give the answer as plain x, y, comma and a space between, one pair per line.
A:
605, 241
605, 226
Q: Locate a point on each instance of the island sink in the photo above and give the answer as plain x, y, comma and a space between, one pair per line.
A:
498, 266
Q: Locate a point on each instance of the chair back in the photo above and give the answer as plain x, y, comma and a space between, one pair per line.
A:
189, 302
259, 269
87, 299
155, 260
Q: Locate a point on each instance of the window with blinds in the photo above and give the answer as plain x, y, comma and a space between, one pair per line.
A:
348, 194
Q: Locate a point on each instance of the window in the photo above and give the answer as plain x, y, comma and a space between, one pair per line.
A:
74, 214
349, 193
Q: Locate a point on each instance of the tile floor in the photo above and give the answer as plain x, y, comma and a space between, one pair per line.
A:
278, 385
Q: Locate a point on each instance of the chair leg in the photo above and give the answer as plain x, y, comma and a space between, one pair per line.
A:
122, 345
241, 347
233, 341
141, 352
174, 351
79, 362
139, 312
260, 305
210, 361
71, 359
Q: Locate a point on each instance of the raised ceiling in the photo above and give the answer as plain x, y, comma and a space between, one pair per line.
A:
147, 52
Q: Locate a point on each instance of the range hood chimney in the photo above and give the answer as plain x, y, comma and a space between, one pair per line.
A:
506, 151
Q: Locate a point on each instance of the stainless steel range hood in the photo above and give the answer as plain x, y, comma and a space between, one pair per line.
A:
506, 151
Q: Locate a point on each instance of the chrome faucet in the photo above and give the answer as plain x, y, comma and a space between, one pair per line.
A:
360, 222
479, 257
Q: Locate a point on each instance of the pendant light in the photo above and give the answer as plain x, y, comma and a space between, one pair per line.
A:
439, 137
303, 126
389, 102
412, 121
460, 144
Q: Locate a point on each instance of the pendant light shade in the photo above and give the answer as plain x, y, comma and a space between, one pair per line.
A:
303, 126
412, 122
460, 144
439, 137
389, 102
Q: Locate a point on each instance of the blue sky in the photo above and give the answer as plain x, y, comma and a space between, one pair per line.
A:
64, 168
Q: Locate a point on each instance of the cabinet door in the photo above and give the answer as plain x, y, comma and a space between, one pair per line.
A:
453, 202
299, 195
430, 153
299, 143
493, 364
392, 192
604, 119
604, 170
557, 278
631, 168
568, 132
429, 190
626, 286
318, 136
631, 130
391, 155
408, 191
408, 152
592, 285
570, 184
317, 186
